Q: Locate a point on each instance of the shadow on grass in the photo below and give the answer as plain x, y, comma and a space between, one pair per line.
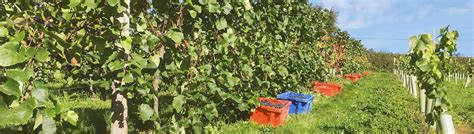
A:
90, 121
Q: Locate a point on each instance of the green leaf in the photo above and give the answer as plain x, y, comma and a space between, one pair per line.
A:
38, 120
71, 117
243, 106
128, 78
155, 59
30, 52
247, 69
48, 125
227, 8
115, 65
192, 13
3, 104
17, 115
248, 18
247, 5
18, 37
282, 71
42, 55
145, 112
413, 41
40, 94
11, 87
178, 102
197, 8
202, 2
3, 31
212, 6
112, 2
138, 60
126, 44
221, 23
21, 76
66, 14
9, 55
232, 81
74, 3
423, 65
90, 4
175, 35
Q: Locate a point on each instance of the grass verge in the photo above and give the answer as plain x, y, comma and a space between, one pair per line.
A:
376, 104
462, 106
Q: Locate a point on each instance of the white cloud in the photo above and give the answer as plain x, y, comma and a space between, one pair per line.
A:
355, 14
458, 10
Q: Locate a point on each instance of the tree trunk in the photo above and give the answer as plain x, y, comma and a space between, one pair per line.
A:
91, 87
119, 100
155, 99
119, 109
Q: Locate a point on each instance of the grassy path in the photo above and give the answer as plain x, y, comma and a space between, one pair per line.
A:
462, 106
377, 103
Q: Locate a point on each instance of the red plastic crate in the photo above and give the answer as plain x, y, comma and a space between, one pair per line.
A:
353, 77
366, 73
270, 115
327, 89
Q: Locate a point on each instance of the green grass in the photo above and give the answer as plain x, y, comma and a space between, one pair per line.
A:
86, 104
462, 104
376, 104
94, 115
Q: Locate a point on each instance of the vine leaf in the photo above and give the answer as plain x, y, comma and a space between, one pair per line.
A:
74, 3
126, 44
48, 125
175, 35
221, 23
9, 55
145, 112
71, 117
20, 75
38, 120
192, 13
42, 55
40, 94
283, 71
178, 102
11, 87
18, 115
112, 2
90, 4
3, 31
247, 5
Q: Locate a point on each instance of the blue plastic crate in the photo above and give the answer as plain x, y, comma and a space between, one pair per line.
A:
300, 103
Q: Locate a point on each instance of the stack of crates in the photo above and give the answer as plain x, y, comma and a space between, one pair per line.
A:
271, 112
300, 103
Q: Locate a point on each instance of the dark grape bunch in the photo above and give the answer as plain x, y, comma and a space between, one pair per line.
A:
271, 104
298, 96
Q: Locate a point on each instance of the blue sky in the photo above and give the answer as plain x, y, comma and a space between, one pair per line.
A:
385, 25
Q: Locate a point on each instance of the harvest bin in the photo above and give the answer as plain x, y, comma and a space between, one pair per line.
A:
366, 73
300, 103
327, 89
269, 113
353, 77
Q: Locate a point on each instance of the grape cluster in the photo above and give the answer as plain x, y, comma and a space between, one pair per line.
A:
270, 104
298, 96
